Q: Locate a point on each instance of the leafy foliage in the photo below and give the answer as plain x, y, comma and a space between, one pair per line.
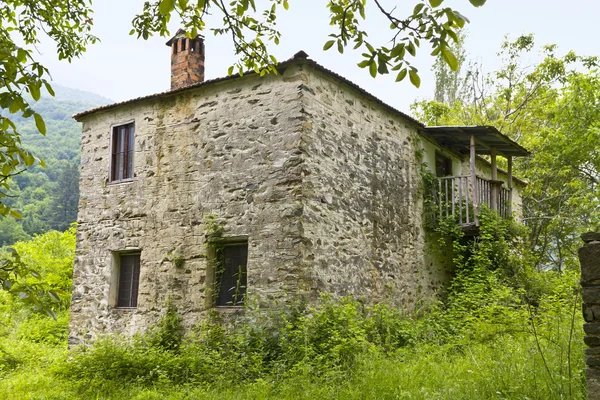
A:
550, 108
503, 329
251, 29
68, 24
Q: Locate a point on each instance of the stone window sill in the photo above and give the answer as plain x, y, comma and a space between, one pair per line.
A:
124, 181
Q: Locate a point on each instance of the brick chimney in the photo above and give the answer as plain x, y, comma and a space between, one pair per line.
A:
187, 60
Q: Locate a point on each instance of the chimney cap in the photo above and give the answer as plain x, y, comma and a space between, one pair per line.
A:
180, 33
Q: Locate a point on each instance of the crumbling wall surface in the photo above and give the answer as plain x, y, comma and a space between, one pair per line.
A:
230, 149
363, 211
589, 257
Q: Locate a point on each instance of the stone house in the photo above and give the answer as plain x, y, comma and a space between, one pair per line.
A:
264, 187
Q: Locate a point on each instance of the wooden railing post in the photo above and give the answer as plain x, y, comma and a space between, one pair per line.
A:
510, 186
494, 184
474, 180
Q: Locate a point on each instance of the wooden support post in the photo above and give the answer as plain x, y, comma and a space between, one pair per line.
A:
510, 186
474, 188
494, 184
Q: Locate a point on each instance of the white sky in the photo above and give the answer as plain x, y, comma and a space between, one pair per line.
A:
122, 67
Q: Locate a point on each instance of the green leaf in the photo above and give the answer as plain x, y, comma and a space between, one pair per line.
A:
328, 44
373, 68
29, 159
383, 69
450, 58
230, 70
418, 8
401, 75
35, 91
16, 214
398, 51
340, 47
478, 3
6, 170
364, 63
166, 6
414, 78
49, 89
54, 296
39, 123
51, 313
435, 3
286, 5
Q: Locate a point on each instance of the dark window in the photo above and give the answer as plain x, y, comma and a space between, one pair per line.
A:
129, 280
231, 274
121, 166
443, 165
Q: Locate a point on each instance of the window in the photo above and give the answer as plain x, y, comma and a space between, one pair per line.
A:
231, 274
129, 280
443, 165
121, 166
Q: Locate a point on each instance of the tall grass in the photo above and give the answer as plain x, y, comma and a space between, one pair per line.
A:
336, 349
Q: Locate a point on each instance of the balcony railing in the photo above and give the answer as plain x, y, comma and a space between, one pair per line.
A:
460, 197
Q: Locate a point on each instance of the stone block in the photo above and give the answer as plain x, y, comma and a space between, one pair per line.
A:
592, 328
591, 295
592, 340
591, 237
589, 257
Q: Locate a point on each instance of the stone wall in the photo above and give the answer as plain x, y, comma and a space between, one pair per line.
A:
230, 149
363, 210
589, 257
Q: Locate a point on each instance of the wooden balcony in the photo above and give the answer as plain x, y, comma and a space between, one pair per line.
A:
461, 196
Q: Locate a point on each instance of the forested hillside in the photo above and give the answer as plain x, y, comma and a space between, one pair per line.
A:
47, 197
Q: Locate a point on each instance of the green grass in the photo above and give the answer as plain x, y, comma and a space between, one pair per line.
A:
509, 367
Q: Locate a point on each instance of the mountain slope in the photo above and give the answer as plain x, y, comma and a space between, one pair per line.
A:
47, 197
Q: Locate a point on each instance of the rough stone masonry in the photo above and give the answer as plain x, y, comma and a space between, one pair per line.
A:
589, 257
321, 182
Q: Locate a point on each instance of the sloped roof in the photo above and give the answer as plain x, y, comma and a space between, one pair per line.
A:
301, 56
453, 137
486, 137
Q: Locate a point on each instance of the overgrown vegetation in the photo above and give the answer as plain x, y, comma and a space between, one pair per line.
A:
506, 331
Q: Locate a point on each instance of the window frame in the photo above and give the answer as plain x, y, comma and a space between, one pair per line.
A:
117, 278
448, 164
215, 260
130, 153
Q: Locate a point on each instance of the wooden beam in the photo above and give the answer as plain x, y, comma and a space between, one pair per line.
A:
494, 185
510, 186
474, 178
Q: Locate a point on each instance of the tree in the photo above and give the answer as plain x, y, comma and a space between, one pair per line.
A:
68, 24
251, 29
449, 83
63, 206
553, 109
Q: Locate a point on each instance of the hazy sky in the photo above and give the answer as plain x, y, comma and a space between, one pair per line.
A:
122, 67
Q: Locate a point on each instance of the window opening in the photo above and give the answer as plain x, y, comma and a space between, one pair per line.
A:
443, 165
129, 280
231, 274
122, 152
